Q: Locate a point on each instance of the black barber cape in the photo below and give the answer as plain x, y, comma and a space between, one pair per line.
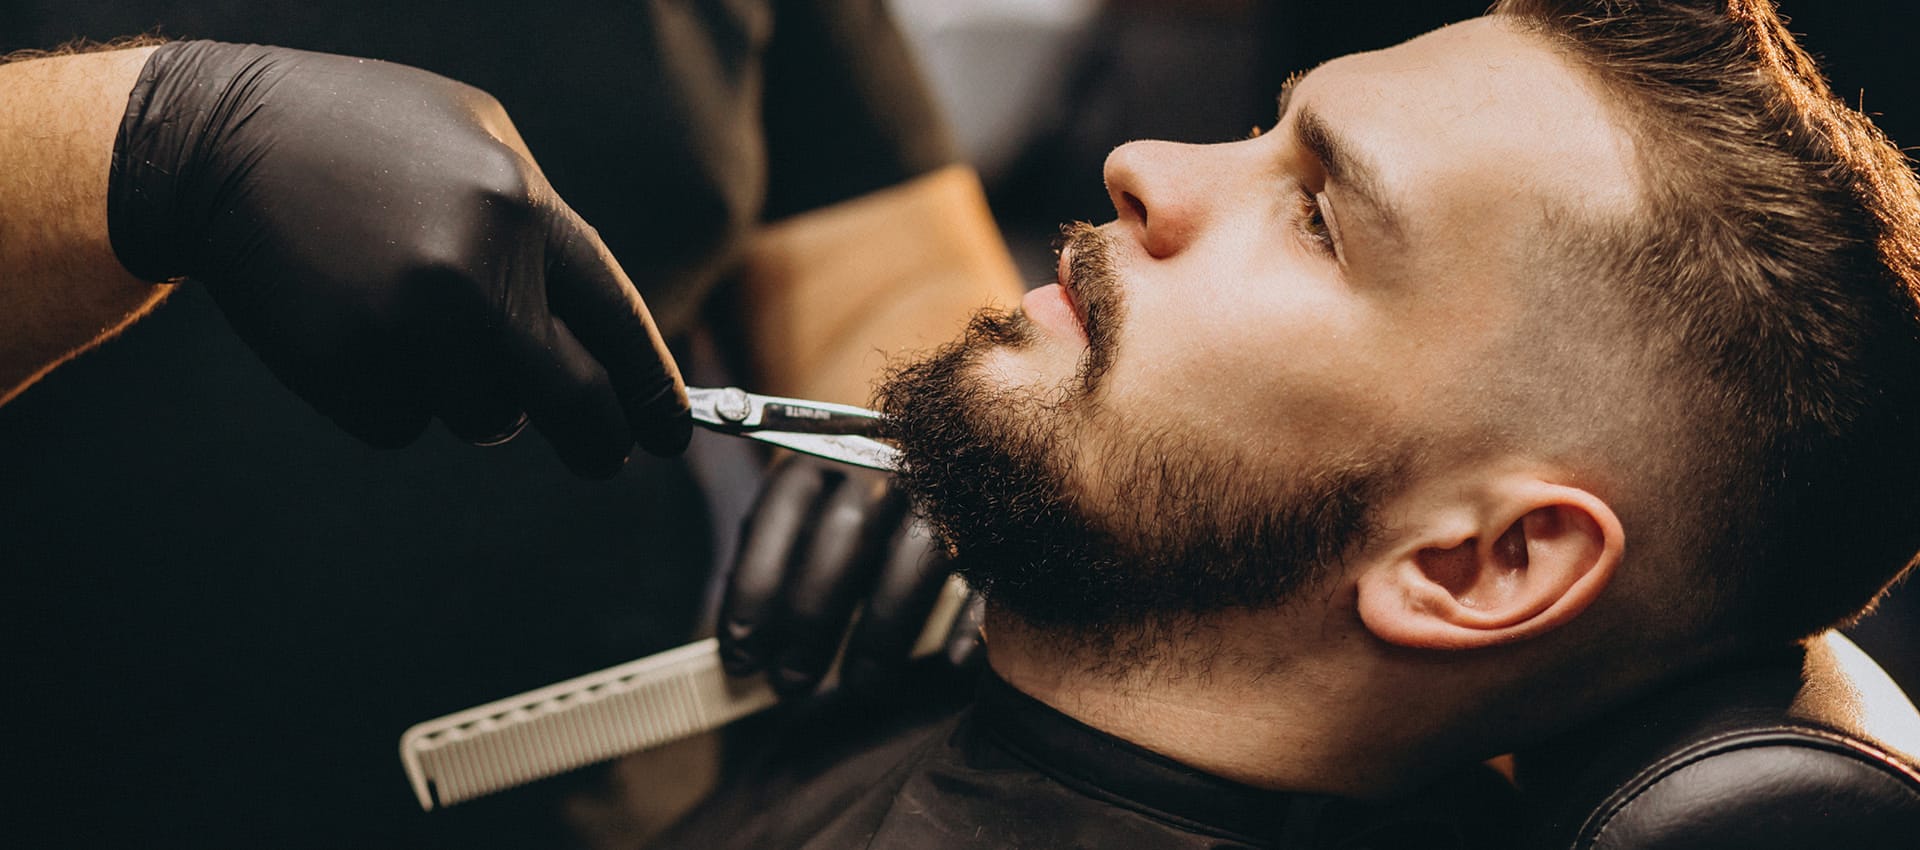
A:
1007, 771
222, 611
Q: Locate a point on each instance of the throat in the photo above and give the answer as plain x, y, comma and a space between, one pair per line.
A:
1262, 721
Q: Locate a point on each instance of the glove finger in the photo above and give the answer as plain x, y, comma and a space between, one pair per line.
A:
368, 391
487, 429
588, 290
772, 533
835, 570
567, 397
904, 594
965, 645
372, 399
487, 418
470, 399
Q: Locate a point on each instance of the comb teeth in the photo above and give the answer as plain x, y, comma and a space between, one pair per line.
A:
641, 704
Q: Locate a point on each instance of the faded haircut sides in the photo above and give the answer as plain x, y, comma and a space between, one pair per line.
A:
1772, 274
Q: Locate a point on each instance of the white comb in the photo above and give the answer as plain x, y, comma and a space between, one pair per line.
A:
618, 711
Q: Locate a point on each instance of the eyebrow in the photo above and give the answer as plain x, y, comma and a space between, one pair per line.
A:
1343, 163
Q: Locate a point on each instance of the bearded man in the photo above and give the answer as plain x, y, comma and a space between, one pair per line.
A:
1521, 370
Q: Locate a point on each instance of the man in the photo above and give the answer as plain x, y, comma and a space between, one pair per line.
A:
1522, 368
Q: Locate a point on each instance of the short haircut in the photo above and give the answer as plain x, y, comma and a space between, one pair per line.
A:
1773, 271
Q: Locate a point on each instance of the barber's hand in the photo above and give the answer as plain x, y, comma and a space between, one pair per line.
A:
382, 238
822, 539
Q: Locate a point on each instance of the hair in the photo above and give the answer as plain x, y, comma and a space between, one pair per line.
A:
1772, 274
84, 45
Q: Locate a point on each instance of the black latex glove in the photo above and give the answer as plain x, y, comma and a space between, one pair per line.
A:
381, 237
822, 539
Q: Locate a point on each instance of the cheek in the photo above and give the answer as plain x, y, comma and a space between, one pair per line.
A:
1257, 362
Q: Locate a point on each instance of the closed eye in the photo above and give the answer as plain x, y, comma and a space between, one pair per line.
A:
1310, 221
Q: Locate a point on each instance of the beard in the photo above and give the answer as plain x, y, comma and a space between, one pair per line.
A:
1176, 533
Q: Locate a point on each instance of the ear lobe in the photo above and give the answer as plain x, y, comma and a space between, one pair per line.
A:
1501, 573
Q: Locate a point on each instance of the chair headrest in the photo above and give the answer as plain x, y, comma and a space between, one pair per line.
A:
1811, 746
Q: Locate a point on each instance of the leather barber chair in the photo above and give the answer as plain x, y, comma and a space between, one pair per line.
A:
1803, 749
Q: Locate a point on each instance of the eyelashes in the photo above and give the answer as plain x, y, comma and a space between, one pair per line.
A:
1310, 221
1308, 216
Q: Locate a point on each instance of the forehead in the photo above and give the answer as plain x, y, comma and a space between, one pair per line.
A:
1478, 120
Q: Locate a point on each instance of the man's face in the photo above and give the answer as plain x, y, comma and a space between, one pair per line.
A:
1272, 330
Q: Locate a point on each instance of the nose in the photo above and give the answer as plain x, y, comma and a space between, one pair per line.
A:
1162, 193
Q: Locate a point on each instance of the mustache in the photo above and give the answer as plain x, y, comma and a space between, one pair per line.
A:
1094, 283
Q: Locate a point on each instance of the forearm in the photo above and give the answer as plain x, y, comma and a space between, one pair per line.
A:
828, 296
61, 289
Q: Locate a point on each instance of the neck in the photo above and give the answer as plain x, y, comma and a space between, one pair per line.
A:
1219, 699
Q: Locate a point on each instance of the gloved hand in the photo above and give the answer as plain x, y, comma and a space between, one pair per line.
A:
821, 539
382, 238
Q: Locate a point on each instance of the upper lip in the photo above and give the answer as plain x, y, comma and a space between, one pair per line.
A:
1063, 273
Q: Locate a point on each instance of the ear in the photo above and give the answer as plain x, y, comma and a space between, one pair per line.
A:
1523, 560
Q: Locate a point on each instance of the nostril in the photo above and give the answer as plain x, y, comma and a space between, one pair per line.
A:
1134, 206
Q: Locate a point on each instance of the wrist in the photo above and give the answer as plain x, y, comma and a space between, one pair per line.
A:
65, 290
158, 198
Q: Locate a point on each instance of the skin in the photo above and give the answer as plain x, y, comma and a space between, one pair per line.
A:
1266, 328
63, 290
1359, 343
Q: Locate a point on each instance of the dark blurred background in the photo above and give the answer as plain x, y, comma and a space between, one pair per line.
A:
173, 524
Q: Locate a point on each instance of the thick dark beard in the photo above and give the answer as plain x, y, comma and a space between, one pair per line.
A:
1179, 536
